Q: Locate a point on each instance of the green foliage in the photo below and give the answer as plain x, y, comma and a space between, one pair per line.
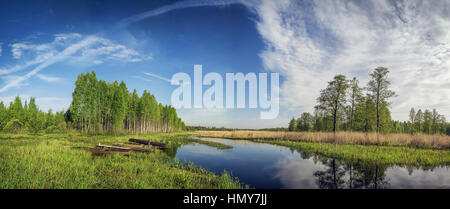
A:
98, 106
412, 120
332, 99
447, 129
3, 116
292, 125
13, 126
305, 122
50, 162
356, 98
388, 155
378, 88
17, 118
16, 110
367, 113
35, 118
419, 121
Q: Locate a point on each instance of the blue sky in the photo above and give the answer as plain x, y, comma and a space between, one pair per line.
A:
44, 45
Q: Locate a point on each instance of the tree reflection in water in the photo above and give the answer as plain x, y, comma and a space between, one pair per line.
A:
269, 166
358, 175
332, 177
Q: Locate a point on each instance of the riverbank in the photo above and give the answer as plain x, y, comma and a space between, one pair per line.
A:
395, 152
263, 165
50, 162
352, 138
388, 155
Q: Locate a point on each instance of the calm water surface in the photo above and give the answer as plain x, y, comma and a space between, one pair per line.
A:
272, 167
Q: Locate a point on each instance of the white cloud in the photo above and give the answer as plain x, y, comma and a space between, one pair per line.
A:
70, 50
108, 50
18, 49
309, 43
11, 78
50, 79
18, 67
97, 62
62, 37
174, 6
158, 77
44, 103
142, 78
80, 49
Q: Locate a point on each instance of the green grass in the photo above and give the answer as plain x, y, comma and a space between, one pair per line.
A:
212, 144
388, 155
49, 161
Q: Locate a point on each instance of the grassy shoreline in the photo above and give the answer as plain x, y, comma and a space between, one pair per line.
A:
369, 153
353, 138
49, 162
350, 151
212, 144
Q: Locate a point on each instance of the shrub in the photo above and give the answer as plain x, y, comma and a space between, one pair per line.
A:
51, 129
13, 126
61, 127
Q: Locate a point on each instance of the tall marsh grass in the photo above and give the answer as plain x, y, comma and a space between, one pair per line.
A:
358, 138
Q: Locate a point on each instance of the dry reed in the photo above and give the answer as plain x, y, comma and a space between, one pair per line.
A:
417, 140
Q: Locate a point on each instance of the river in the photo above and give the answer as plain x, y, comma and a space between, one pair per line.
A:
267, 166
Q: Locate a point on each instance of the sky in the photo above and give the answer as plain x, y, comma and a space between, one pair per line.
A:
44, 45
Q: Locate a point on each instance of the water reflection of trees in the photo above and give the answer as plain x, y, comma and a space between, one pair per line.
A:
332, 177
172, 149
358, 175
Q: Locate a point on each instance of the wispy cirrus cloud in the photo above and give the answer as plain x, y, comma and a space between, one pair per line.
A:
25, 64
50, 79
18, 49
142, 78
177, 5
70, 50
73, 48
157, 76
106, 50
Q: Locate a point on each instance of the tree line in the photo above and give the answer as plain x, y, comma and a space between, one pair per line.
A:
27, 117
345, 105
97, 107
